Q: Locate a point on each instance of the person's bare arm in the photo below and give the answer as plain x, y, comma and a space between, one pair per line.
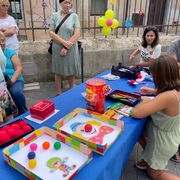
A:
76, 36
148, 107
8, 31
68, 44
145, 64
56, 38
18, 68
135, 53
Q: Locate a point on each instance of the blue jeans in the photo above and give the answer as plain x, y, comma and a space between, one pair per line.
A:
16, 92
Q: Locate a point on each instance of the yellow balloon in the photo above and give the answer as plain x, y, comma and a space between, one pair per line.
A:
115, 23
106, 31
109, 14
101, 21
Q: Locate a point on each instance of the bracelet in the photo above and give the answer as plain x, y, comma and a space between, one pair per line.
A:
130, 113
65, 48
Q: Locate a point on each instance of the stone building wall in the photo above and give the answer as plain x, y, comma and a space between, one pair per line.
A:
99, 54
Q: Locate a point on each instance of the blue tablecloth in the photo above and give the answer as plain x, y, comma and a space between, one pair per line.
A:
102, 167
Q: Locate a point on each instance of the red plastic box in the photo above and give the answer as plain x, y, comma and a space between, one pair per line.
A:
42, 109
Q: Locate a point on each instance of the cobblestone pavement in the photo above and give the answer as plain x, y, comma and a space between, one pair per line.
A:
47, 91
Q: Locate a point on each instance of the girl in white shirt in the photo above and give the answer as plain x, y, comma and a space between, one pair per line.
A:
149, 49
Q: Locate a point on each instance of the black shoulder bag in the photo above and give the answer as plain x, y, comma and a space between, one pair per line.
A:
57, 29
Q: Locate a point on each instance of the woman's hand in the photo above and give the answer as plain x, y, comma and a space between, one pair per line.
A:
63, 52
131, 58
146, 90
68, 44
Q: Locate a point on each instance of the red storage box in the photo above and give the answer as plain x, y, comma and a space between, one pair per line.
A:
42, 109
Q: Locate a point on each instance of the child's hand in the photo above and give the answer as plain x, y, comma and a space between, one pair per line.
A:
145, 99
146, 90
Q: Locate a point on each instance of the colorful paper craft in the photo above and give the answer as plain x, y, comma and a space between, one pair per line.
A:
113, 114
129, 99
47, 154
103, 133
121, 109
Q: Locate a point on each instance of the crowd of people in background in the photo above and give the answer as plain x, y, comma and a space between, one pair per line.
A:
162, 134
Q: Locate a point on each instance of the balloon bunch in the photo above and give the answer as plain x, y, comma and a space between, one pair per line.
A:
108, 22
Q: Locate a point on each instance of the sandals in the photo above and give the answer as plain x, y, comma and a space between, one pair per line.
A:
176, 158
141, 164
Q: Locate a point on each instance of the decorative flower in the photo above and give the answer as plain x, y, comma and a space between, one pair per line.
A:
112, 2
44, 5
129, 23
108, 22
45, 24
140, 12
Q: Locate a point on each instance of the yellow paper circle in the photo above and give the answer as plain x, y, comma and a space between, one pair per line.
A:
115, 23
101, 21
106, 31
109, 14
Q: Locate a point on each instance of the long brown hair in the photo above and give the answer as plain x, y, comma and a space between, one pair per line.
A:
156, 40
165, 74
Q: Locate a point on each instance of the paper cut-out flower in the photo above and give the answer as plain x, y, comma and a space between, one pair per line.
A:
44, 5
108, 22
112, 2
129, 23
140, 12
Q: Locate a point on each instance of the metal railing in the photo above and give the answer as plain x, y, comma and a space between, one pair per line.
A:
33, 16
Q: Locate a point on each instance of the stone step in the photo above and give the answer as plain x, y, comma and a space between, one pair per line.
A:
31, 86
